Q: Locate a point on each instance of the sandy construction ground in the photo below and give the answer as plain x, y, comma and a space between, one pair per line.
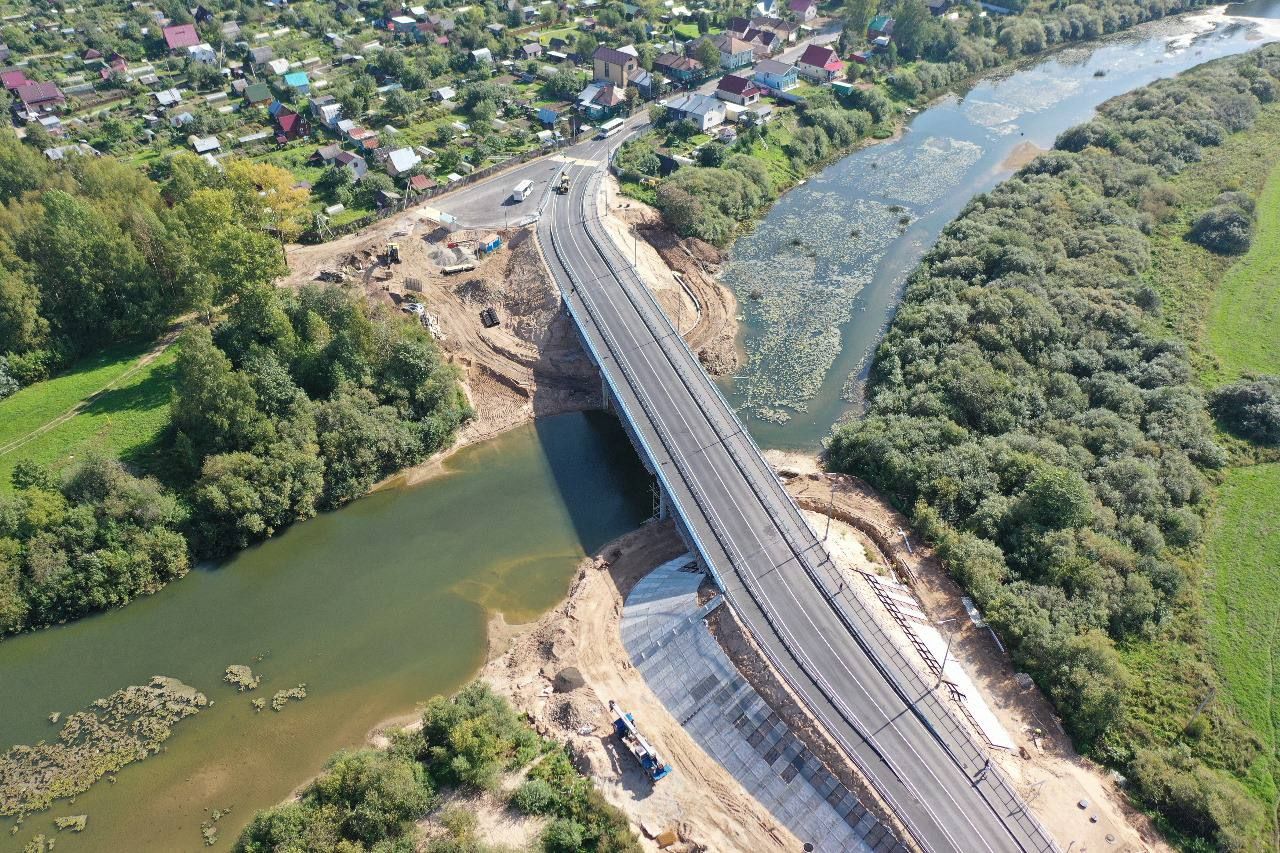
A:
1047, 771
538, 666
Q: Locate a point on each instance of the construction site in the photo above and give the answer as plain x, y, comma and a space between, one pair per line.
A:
658, 752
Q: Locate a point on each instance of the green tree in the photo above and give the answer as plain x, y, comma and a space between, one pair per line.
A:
708, 54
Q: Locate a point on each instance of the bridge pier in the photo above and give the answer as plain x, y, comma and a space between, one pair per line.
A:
664, 505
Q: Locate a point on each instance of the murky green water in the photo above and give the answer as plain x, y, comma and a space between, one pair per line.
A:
375, 607
820, 278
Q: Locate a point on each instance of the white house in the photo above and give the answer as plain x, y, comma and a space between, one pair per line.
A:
703, 110
402, 161
203, 53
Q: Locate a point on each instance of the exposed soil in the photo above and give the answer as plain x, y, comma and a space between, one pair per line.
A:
1045, 769
1022, 154
531, 364
540, 667
681, 272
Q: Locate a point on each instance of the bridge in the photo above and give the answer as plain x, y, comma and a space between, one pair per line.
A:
752, 539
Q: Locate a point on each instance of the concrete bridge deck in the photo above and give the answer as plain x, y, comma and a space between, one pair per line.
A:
753, 540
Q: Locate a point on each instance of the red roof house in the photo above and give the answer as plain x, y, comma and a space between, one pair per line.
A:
819, 63
738, 90
181, 37
40, 97
291, 126
13, 79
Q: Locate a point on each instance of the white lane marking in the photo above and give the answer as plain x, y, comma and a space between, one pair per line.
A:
889, 721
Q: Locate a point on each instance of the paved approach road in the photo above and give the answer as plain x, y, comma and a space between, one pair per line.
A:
923, 762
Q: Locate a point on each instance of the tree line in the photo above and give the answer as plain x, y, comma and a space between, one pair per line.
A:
369, 799
1055, 447
284, 403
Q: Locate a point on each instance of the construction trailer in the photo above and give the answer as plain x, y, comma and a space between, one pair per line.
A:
489, 243
624, 726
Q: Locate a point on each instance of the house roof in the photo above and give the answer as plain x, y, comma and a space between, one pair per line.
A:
421, 182
693, 103
403, 159
289, 121
13, 78
256, 92
608, 96
180, 36
881, 24
296, 79
774, 67
613, 56
38, 93
818, 56
737, 25
677, 63
328, 152
736, 85
801, 5
259, 55
205, 143
731, 44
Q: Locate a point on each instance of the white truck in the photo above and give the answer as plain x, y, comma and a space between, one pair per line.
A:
522, 191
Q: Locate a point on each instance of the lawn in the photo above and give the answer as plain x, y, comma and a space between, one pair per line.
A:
125, 420
1191, 280
1244, 598
1245, 318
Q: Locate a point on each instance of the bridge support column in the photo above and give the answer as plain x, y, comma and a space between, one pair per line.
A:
664, 505
604, 394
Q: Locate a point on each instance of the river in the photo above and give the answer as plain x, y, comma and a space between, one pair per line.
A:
376, 607
384, 603
821, 276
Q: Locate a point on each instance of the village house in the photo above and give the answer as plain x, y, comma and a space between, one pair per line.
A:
260, 56
804, 10
734, 52
738, 90
13, 78
401, 162
203, 53
299, 82
180, 37
257, 94
325, 155
39, 98
819, 63
326, 110
353, 163
531, 51
483, 56
204, 144
683, 69
290, 126
703, 110
167, 98
610, 65
419, 184
881, 25
600, 100
444, 93
778, 76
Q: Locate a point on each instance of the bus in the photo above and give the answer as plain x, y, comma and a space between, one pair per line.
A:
610, 127
521, 192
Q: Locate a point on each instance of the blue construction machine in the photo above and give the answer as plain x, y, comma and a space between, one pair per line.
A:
624, 726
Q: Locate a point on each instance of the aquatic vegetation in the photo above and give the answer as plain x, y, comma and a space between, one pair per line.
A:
807, 285
209, 828
125, 727
74, 823
242, 677
282, 697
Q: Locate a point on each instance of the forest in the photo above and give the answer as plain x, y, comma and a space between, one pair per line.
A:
370, 799
1048, 435
283, 403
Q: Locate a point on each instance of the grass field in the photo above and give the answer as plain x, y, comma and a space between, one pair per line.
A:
1244, 598
1229, 308
1245, 318
125, 420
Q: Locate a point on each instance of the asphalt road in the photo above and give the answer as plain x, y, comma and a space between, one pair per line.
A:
776, 574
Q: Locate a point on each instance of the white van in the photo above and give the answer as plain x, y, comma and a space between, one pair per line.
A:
522, 190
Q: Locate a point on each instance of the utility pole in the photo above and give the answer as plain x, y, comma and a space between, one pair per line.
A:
947, 654
831, 507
